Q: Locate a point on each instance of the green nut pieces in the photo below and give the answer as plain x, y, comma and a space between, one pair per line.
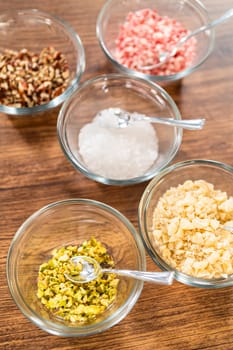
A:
76, 303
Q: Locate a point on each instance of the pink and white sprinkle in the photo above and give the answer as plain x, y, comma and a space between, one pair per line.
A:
145, 34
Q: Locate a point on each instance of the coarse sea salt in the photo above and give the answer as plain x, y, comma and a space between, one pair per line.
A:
117, 153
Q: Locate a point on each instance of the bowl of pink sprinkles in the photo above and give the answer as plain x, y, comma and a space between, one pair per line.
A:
134, 34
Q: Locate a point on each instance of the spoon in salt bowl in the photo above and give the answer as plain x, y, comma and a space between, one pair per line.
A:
125, 118
91, 269
166, 55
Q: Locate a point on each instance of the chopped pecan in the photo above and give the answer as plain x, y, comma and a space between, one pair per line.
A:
28, 79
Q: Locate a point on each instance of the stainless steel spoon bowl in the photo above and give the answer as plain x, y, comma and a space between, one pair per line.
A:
125, 119
90, 270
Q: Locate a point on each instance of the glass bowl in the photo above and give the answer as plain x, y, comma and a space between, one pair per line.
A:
71, 222
216, 173
34, 31
191, 14
127, 93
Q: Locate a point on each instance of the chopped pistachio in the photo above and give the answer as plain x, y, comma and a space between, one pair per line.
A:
76, 302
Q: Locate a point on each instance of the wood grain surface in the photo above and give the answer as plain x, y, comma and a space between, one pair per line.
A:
34, 172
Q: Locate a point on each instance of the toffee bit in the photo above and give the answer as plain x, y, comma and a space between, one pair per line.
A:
187, 229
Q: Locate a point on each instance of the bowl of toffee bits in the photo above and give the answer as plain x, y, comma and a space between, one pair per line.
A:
186, 219
41, 61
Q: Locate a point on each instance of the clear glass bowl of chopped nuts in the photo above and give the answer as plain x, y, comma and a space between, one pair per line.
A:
41, 61
186, 222
133, 34
40, 254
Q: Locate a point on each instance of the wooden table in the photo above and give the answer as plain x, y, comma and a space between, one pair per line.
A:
34, 172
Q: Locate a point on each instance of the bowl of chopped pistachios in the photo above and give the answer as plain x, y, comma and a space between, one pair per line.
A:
40, 258
42, 60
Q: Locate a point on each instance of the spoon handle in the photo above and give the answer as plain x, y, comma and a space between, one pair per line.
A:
228, 228
209, 25
164, 56
165, 277
191, 124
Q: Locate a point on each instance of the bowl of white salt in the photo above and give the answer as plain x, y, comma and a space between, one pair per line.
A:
103, 131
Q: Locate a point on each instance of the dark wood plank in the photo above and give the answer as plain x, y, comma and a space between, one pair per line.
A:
34, 172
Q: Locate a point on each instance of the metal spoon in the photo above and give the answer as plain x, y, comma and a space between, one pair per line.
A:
227, 228
166, 55
124, 119
91, 270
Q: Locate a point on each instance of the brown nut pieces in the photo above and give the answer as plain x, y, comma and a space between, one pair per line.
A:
28, 79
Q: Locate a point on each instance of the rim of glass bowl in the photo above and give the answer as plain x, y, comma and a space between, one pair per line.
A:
143, 205
63, 330
79, 69
61, 130
199, 6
